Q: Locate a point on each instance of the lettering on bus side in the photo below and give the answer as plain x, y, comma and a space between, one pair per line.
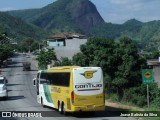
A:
55, 89
88, 85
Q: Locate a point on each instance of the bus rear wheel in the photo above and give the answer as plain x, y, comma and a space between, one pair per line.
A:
59, 108
42, 102
63, 109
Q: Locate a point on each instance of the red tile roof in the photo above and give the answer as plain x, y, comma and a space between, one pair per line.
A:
65, 35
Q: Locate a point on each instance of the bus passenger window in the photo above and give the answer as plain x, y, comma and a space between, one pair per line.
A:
43, 81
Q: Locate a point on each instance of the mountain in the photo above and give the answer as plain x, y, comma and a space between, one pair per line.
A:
147, 35
82, 16
17, 28
63, 15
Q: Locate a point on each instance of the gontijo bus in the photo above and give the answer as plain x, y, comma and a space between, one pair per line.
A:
71, 88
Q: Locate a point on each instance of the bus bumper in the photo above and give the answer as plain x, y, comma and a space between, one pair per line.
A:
88, 108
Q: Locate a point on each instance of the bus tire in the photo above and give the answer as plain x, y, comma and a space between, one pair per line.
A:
63, 109
59, 108
42, 102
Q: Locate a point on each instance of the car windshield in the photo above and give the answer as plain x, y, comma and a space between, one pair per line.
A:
1, 81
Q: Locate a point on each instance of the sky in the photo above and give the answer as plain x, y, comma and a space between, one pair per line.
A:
114, 11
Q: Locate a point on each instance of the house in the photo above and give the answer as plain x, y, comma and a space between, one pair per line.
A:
66, 44
155, 65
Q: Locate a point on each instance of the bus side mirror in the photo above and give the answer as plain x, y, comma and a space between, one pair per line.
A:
34, 81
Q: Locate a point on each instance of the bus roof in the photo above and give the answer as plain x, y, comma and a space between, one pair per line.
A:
63, 68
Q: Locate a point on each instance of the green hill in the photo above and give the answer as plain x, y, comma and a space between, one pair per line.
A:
17, 28
146, 34
63, 15
82, 16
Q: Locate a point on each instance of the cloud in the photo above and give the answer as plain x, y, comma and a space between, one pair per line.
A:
7, 9
130, 2
119, 2
119, 11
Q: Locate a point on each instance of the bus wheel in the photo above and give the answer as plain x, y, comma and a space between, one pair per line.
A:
63, 109
42, 102
59, 107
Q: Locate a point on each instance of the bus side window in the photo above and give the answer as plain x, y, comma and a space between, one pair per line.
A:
48, 81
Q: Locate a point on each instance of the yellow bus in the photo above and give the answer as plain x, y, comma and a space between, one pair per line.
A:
71, 88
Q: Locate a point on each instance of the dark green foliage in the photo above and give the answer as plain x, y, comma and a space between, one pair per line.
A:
18, 29
146, 34
63, 16
29, 44
107, 30
121, 66
138, 95
76, 16
129, 64
100, 52
63, 62
79, 59
119, 61
5, 52
45, 58
153, 55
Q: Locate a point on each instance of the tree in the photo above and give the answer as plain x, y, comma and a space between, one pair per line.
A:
100, 52
45, 58
120, 61
79, 59
129, 65
5, 52
64, 62
34, 46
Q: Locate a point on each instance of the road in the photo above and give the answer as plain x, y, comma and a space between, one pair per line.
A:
22, 95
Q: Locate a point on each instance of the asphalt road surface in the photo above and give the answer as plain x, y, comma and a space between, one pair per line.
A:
22, 96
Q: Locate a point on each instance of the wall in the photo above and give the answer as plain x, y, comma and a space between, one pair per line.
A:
72, 47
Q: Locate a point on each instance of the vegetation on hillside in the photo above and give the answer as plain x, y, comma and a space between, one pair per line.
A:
120, 62
82, 16
146, 34
6, 49
45, 58
18, 29
63, 16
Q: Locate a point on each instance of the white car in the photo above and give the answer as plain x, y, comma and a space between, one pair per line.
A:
3, 87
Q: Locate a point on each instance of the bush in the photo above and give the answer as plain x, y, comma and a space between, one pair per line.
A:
138, 95
114, 97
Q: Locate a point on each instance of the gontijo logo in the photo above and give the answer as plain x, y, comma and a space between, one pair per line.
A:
88, 74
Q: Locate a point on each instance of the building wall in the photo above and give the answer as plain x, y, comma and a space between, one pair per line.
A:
54, 44
156, 70
72, 47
